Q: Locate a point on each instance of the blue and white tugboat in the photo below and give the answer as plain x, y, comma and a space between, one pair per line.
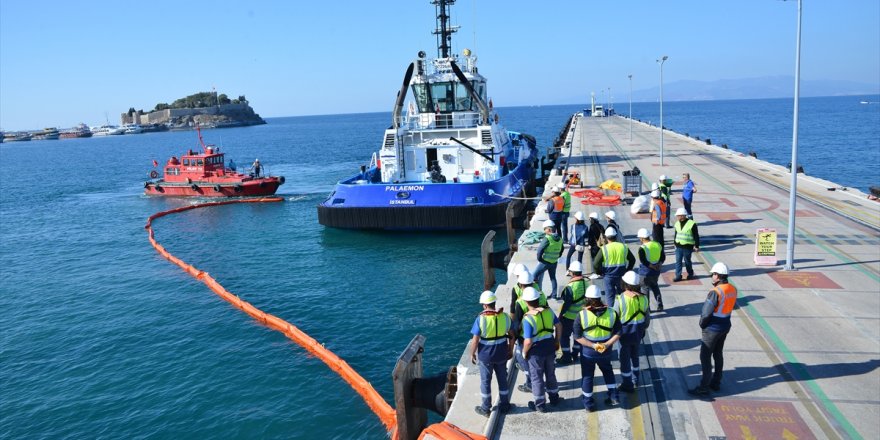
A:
447, 164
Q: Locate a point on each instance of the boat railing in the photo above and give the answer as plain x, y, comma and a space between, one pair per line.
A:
422, 121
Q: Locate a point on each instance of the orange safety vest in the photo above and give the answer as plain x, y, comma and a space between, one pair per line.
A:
558, 203
726, 294
659, 219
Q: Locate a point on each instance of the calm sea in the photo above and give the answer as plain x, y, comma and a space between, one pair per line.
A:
102, 338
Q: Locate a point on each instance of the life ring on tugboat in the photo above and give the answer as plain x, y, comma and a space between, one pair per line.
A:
153, 174
194, 187
217, 188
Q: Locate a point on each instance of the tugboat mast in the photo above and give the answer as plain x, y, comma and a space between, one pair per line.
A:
443, 31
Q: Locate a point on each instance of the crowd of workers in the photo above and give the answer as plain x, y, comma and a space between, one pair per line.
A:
589, 326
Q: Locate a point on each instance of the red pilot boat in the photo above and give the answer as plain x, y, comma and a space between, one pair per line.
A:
206, 175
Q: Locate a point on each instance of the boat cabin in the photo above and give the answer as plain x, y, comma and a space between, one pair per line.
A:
196, 166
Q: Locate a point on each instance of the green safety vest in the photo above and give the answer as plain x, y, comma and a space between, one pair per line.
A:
494, 326
598, 328
614, 254
683, 235
542, 301
632, 308
652, 251
553, 250
567, 197
542, 323
578, 292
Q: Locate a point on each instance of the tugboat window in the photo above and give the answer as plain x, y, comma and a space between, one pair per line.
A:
186, 162
201, 162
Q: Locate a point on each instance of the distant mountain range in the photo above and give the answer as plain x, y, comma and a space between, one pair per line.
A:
749, 88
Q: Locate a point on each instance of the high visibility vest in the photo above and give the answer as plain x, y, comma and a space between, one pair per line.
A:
632, 308
494, 327
578, 292
598, 328
558, 204
517, 290
665, 188
652, 251
683, 235
614, 255
553, 250
659, 213
726, 295
567, 198
542, 322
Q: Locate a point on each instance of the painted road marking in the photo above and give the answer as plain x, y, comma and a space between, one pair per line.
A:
750, 419
803, 280
668, 276
723, 216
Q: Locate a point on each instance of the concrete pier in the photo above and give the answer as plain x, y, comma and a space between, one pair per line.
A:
803, 357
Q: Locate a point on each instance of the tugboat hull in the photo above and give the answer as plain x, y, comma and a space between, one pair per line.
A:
262, 187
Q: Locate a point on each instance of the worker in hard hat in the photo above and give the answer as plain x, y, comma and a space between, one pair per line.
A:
687, 241
614, 260
687, 193
572, 303
597, 328
519, 308
666, 193
556, 209
594, 235
610, 217
715, 322
566, 211
541, 333
577, 238
549, 251
651, 257
257, 168
632, 311
659, 212
491, 347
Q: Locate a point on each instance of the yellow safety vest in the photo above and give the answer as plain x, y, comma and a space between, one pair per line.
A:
652, 251
542, 322
683, 235
494, 327
598, 328
614, 254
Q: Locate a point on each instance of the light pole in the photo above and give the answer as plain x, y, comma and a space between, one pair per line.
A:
661, 60
630, 107
792, 194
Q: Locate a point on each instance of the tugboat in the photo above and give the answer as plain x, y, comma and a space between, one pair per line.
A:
448, 164
204, 174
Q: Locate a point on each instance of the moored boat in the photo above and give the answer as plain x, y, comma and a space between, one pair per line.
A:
205, 174
447, 164
18, 136
107, 130
80, 131
47, 134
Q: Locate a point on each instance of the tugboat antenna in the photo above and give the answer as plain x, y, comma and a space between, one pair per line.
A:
444, 31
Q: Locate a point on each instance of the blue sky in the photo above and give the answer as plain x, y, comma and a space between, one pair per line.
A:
62, 63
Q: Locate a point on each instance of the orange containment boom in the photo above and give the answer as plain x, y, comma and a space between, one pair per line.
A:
373, 399
596, 198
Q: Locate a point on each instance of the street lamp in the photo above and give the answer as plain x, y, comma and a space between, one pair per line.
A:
630, 107
792, 194
661, 60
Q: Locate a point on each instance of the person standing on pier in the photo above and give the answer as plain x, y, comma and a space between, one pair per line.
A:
572, 303
632, 310
715, 322
614, 261
541, 333
491, 347
666, 195
566, 210
597, 328
519, 309
659, 216
687, 194
651, 256
687, 241
594, 236
549, 252
610, 216
577, 238
556, 210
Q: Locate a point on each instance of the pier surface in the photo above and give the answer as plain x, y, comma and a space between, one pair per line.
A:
802, 359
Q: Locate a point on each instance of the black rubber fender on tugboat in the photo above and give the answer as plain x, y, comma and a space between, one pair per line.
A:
238, 188
281, 180
217, 188
159, 188
146, 184
194, 187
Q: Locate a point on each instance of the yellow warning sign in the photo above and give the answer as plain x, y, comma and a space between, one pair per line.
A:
765, 247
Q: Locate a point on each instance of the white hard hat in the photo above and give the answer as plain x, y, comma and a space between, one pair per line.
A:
530, 294
560, 186
610, 232
487, 297
579, 216
593, 292
655, 194
520, 268
557, 189
576, 266
662, 177
720, 268
594, 215
611, 215
631, 278
548, 224
681, 211
643, 233
654, 186
525, 278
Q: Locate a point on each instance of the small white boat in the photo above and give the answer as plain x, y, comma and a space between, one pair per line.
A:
106, 130
132, 129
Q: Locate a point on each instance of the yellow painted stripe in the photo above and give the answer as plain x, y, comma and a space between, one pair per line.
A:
592, 426
636, 422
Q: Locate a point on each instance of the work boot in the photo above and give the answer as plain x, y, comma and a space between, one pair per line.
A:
589, 404
613, 398
715, 386
699, 392
626, 387
565, 359
676, 279
691, 277
482, 411
659, 307
526, 388
539, 408
555, 399
505, 407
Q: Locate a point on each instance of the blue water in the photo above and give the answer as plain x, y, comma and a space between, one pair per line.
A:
102, 338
